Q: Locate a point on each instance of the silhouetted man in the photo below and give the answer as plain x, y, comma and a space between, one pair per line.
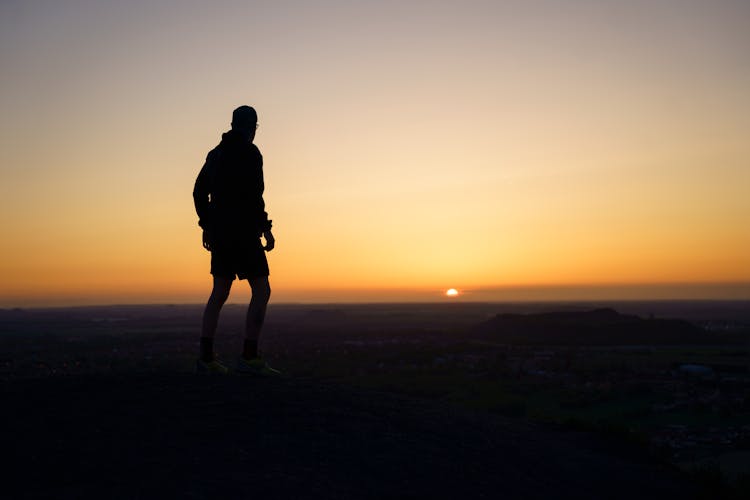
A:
228, 197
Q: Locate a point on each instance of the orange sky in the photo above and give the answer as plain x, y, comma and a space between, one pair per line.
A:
409, 147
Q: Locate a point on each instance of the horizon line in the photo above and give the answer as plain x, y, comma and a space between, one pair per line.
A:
706, 291
383, 303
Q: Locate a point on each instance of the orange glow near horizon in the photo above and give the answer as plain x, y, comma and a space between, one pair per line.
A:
531, 151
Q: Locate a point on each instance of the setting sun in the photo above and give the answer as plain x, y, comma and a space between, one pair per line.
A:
451, 292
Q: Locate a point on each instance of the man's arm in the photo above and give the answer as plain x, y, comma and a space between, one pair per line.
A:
202, 199
270, 240
201, 194
263, 222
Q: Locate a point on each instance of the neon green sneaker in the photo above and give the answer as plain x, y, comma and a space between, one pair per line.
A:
213, 367
255, 366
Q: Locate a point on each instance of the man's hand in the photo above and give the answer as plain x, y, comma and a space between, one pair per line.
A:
270, 241
206, 240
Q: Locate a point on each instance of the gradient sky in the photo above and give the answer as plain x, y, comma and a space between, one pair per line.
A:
410, 146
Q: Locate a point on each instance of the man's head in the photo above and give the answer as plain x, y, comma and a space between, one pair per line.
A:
245, 121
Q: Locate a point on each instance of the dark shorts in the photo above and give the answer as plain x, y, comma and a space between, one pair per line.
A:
244, 258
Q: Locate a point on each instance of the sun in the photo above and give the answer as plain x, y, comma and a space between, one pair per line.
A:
451, 292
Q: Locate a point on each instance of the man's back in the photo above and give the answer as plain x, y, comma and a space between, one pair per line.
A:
228, 192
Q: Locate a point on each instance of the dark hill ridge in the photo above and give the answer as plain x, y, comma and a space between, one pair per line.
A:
181, 436
596, 327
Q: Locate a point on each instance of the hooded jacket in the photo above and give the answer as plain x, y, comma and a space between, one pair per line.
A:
228, 192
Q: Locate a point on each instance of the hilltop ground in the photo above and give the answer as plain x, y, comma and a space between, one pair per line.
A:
380, 402
181, 436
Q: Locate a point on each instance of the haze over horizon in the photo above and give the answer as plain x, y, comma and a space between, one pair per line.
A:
542, 149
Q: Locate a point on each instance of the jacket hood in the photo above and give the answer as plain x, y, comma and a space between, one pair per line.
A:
234, 138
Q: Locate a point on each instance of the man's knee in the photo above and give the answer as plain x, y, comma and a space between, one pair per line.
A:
220, 296
264, 292
261, 289
220, 292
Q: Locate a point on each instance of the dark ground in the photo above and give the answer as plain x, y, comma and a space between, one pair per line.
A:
183, 436
100, 402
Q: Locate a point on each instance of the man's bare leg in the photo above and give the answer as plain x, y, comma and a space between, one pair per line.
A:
256, 314
219, 295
